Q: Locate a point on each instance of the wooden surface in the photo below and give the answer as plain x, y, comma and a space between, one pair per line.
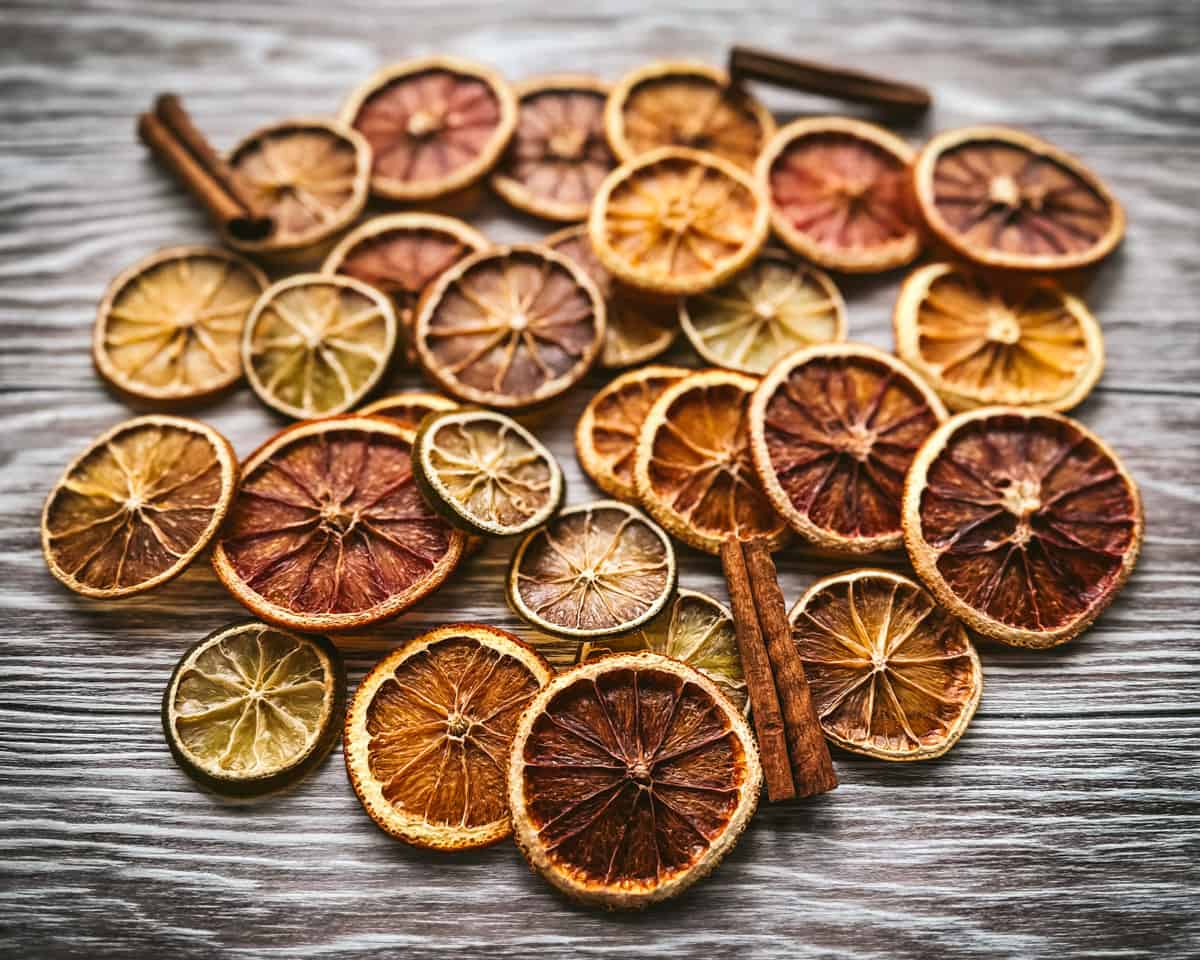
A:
1066, 822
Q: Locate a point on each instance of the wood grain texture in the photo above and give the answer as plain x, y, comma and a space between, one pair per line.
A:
1065, 823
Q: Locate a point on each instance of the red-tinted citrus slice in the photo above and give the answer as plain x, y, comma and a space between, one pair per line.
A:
409, 407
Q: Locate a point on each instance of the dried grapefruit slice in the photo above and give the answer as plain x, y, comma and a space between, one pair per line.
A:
169, 328
1004, 198
329, 532
409, 407
429, 732
251, 709
317, 344
983, 342
1022, 523
675, 221
607, 432
892, 675
558, 155
685, 104
630, 778
840, 194
435, 124
693, 472
511, 327
593, 571
137, 505
833, 430
773, 307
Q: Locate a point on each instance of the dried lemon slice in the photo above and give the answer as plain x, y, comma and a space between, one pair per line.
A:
316, 345
250, 708
593, 571
409, 407
170, 327
773, 307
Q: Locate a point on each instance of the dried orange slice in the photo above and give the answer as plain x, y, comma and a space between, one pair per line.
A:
329, 532
840, 194
1004, 198
693, 472
317, 344
775, 306
892, 675
251, 709
833, 430
486, 473
981, 342
607, 433
169, 328
630, 779
137, 505
429, 731
1022, 523
674, 221
685, 104
409, 407
558, 155
635, 330
511, 327
593, 571
309, 175
435, 125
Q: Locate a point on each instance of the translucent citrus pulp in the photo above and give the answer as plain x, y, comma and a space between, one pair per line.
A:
630, 778
429, 731
409, 407
892, 675
137, 505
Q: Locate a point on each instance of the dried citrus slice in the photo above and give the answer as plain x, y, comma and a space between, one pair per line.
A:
137, 505
693, 471
630, 779
558, 155
429, 732
892, 675
593, 571
696, 630
329, 532
840, 194
980, 342
409, 407
1022, 523
1004, 198
773, 307
401, 254
250, 708
686, 104
511, 327
607, 432
486, 473
317, 344
833, 430
170, 327
309, 175
675, 221
435, 124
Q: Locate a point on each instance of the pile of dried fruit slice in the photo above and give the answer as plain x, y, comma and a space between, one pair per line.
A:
251, 709
631, 777
429, 731
1022, 523
892, 675
409, 407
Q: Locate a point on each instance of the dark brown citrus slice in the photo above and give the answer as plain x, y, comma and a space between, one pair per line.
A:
840, 194
981, 342
833, 430
429, 731
137, 505
630, 778
892, 675
409, 407
1022, 523
1004, 198
329, 532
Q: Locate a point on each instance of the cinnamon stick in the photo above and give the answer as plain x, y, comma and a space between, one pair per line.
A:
812, 767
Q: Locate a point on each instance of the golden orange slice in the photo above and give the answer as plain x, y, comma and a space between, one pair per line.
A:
409, 407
